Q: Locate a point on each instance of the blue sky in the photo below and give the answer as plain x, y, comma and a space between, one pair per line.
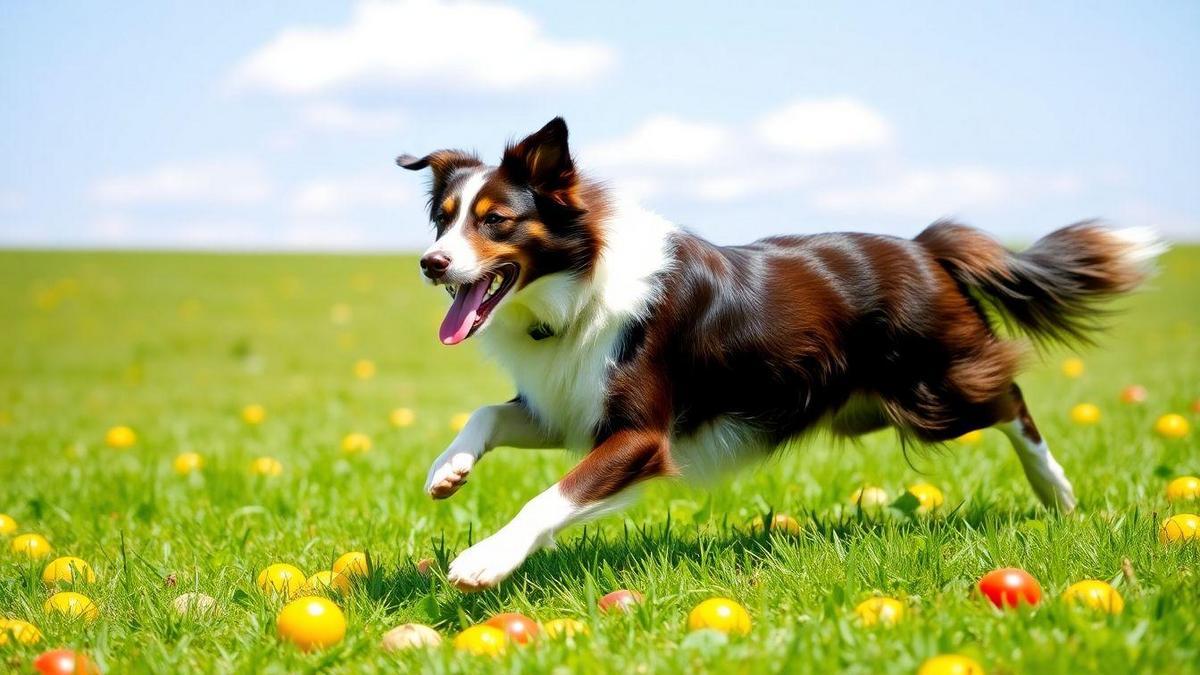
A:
273, 125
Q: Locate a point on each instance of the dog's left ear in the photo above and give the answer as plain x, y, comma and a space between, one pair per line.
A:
543, 160
443, 163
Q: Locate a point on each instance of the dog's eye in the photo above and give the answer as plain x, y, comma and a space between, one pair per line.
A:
493, 219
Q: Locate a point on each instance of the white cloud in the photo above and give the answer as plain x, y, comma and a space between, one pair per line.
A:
822, 126
455, 44
327, 196
343, 119
662, 140
211, 182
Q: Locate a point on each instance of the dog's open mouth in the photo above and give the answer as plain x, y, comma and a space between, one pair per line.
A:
473, 302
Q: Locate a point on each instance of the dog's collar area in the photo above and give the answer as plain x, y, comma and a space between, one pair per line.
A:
540, 332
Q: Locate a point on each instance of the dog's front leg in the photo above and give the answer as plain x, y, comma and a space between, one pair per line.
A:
507, 424
598, 484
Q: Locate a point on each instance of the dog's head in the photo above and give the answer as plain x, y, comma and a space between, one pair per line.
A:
500, 228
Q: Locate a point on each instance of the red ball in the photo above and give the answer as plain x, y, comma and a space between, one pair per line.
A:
64, 662
621, 600
519, 628
1010, 587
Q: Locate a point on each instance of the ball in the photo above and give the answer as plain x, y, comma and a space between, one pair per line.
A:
281, 579
7, 524
1179, 528
326, 581
1134, 394
410, 636
311, 623
120, 437
352, 564
876, 611
254, 414
266, 466
621, 600
564, 628
1010, 587
32, 546
402, 417
72, 605
929, 496
869, 498
518, 627
482, 641
356, 444
1184, 488
1171, 426
64, 662
780, 523
364, 369
188, 462
950, 664
971, 437
720, 614
1086, 414
193, 604
1073, 368
68, 570
19, 631
1094, 594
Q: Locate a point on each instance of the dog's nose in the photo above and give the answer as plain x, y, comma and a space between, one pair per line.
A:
435, 265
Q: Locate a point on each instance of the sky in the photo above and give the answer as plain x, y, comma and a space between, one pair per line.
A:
274, 125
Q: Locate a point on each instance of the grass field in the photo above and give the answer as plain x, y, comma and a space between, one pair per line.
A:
175, 345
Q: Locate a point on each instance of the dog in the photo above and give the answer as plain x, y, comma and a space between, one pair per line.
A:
660, 354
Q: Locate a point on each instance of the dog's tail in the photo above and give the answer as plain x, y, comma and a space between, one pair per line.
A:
1054, 290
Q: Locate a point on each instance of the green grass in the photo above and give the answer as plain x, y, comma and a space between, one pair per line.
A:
175, 345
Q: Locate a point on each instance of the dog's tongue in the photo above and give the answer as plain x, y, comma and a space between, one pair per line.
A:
462, 314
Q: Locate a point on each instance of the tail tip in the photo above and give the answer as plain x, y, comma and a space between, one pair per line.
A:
1140, 246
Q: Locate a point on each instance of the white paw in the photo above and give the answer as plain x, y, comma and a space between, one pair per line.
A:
448, 473
487, 563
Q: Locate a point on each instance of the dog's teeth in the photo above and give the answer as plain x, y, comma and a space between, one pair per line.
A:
497, 280
452, 290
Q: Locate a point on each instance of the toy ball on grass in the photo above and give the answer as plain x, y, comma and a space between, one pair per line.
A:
352, 564
780, 523
929, 495
364, 369
188, 462
192, 604
1171, 426
1180, 528
1184, 488
870, 498
19, 631
356, 444
482, 640
402, 417
880, 611
32, 546
266, 466
72, 605
7, 524
1134, 394
951, 664
65, 662
311, 623
1094, 594
68, 570
621, 600
720, 614
1010, 587
971, 437
410, 636
459, 421
326, 581
1073, 368
254, 414
518, 627
120, 437
1085, 414
564, 628
281, 579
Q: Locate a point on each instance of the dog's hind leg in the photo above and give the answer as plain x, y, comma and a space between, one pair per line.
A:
1044, 473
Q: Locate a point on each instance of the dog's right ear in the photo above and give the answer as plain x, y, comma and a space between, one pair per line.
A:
442, 162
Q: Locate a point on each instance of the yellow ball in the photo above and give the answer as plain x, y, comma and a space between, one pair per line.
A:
402, 417
564, 628
869, 497
1184, 488
282, 579
950, 664
1096, 595
352, 564
254, 414
482, 640
32, 546
69, 570
311, 623
188, 462
120, 437
325, 581
73, 605
364, 369
356, 444
409, 636
721, 614
266, 466
459, 421
1171, 426
781, 523
20, 631
886, 611
1072, 367
929, 496
7, 524
1181, 527
1085, 413
971, 437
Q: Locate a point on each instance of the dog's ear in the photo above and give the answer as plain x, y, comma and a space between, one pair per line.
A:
442, 162
543, 160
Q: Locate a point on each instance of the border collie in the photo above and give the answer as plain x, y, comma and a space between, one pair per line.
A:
661, 354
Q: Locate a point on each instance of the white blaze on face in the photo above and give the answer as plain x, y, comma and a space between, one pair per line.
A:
464, 262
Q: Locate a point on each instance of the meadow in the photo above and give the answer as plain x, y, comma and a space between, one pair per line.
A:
176, 345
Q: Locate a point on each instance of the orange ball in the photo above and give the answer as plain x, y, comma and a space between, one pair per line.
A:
519, 628
621, 600
1134, 394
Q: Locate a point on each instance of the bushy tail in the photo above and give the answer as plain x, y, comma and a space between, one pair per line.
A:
1054, 290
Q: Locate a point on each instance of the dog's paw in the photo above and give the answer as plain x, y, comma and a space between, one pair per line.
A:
448, 474
487, 563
